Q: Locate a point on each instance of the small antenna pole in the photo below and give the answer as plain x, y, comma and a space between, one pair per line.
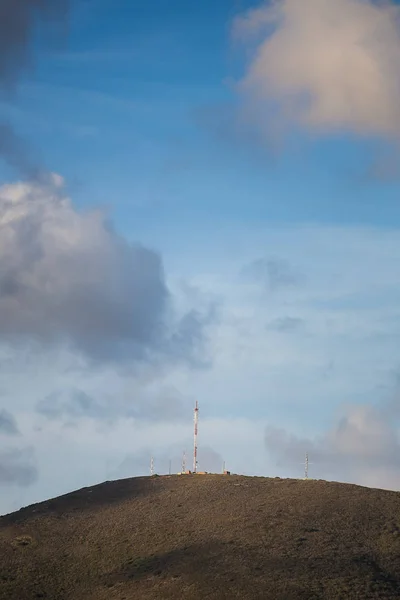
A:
196, 421
184, 462
170, 467
306, 465
152, 466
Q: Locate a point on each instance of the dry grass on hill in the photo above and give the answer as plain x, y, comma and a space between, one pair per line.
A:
205, 537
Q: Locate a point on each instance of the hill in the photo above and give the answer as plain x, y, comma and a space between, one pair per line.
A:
204, 537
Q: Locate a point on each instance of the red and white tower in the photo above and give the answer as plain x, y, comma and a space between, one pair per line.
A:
196, 421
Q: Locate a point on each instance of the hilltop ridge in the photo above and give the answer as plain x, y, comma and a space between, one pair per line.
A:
204, 537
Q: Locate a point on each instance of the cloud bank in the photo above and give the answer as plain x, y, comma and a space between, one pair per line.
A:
324, 66
17, 468
8, 424
363, 447
68, 278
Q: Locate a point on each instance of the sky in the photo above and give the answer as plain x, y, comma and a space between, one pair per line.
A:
198, 201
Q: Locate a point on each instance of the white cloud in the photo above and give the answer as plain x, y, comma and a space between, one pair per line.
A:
66, 277
324, 65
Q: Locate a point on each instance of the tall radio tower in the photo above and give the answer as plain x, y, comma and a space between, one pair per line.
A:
196, 421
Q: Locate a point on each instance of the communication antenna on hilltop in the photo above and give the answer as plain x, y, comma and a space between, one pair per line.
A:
196, 421
306, 463
152, 466
170, 467
184, 462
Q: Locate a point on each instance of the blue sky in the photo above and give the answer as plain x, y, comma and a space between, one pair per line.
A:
267, 181
144, 94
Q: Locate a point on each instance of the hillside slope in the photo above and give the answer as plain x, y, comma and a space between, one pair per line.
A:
204, 537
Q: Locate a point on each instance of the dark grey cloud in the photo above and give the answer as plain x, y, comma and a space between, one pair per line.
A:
285, 324
188, 340
68, 277
18, 21
70, 405
8, 423
273, 272
17, 468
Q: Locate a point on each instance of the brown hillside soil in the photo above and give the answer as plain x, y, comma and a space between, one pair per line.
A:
205, 537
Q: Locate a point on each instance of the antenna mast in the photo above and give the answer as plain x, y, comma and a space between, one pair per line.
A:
184, 462
152, 466
196, 421
307, 462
